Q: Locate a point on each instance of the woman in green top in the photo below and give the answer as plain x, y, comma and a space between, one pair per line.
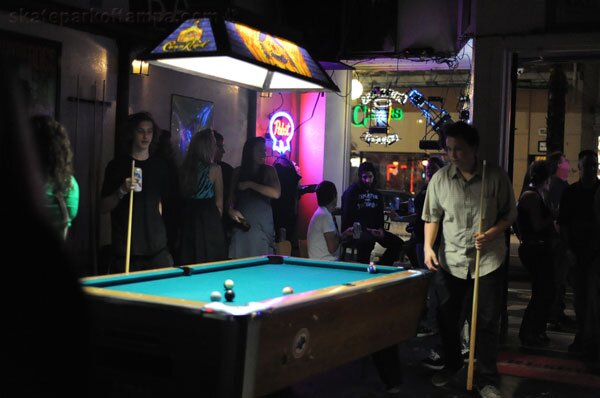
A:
56, 160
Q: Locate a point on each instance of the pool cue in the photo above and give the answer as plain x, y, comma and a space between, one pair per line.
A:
128, 252
473, 335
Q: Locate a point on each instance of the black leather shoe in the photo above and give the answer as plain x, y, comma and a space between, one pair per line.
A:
555, 326
533, 341
575, 347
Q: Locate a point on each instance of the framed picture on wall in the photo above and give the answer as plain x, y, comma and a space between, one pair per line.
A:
37, 65
542, 131
188, 116
542, 146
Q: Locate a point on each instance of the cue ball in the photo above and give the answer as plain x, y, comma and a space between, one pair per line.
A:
215, 296
228, 284
229, 295
287, 290
372, 269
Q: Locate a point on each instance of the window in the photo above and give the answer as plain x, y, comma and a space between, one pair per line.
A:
399, 172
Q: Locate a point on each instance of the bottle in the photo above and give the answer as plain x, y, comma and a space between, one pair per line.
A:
282, 234
356, 230
137, 173
411, 206
372, 258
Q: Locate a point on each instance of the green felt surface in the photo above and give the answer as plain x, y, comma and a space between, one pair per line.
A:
255, 280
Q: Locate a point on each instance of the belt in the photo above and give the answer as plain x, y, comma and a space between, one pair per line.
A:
535, 242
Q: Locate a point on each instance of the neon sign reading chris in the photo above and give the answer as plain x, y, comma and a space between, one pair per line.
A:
361, 114
281, 130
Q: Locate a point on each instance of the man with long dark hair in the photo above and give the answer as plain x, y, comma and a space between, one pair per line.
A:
148, 236
363, 203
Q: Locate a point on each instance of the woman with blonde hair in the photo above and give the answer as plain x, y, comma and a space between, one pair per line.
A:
201, 237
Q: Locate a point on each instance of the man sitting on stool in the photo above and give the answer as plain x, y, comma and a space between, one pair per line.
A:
324, 239
362, 203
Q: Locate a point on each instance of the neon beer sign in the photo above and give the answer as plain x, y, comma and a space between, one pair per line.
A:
281, 130
361, 114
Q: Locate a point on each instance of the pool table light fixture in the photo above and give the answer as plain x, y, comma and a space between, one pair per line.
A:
234, 53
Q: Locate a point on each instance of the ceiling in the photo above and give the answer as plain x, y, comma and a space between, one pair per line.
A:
382, 40
386, 42
331, 30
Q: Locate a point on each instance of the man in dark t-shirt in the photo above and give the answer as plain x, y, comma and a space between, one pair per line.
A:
362, 203
559, 168
148, 233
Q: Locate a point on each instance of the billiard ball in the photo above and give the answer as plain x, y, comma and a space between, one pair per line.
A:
287, 290
372, 269
215, 296
228, 284
229, 295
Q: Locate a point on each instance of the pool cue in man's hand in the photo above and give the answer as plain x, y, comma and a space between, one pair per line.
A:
128, 252
473, 335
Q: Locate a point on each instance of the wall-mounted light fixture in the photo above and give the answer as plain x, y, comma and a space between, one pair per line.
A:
139, 67
356, 90
234, 53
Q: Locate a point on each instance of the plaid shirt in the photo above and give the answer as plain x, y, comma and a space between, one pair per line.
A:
454, 202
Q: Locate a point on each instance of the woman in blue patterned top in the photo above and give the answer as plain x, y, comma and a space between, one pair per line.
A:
201, 238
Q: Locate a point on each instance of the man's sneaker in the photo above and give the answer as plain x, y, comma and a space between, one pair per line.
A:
533, 341
567, 320
575, 347
434, 361
424, 331
464, 353
456, 379
465, 357
440, 379
489, 391
394, 389
544, 337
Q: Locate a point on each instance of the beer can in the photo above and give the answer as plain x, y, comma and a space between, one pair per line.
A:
137, 173
356, 230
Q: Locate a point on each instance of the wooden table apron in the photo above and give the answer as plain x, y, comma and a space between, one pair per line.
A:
186, 347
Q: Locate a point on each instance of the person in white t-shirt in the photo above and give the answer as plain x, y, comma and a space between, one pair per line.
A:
323, 236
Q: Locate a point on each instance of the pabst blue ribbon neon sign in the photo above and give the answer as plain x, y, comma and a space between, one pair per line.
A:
281, 130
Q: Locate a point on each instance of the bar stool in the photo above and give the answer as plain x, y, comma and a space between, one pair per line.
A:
344, 251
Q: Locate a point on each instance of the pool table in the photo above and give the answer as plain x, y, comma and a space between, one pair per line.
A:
157, 333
